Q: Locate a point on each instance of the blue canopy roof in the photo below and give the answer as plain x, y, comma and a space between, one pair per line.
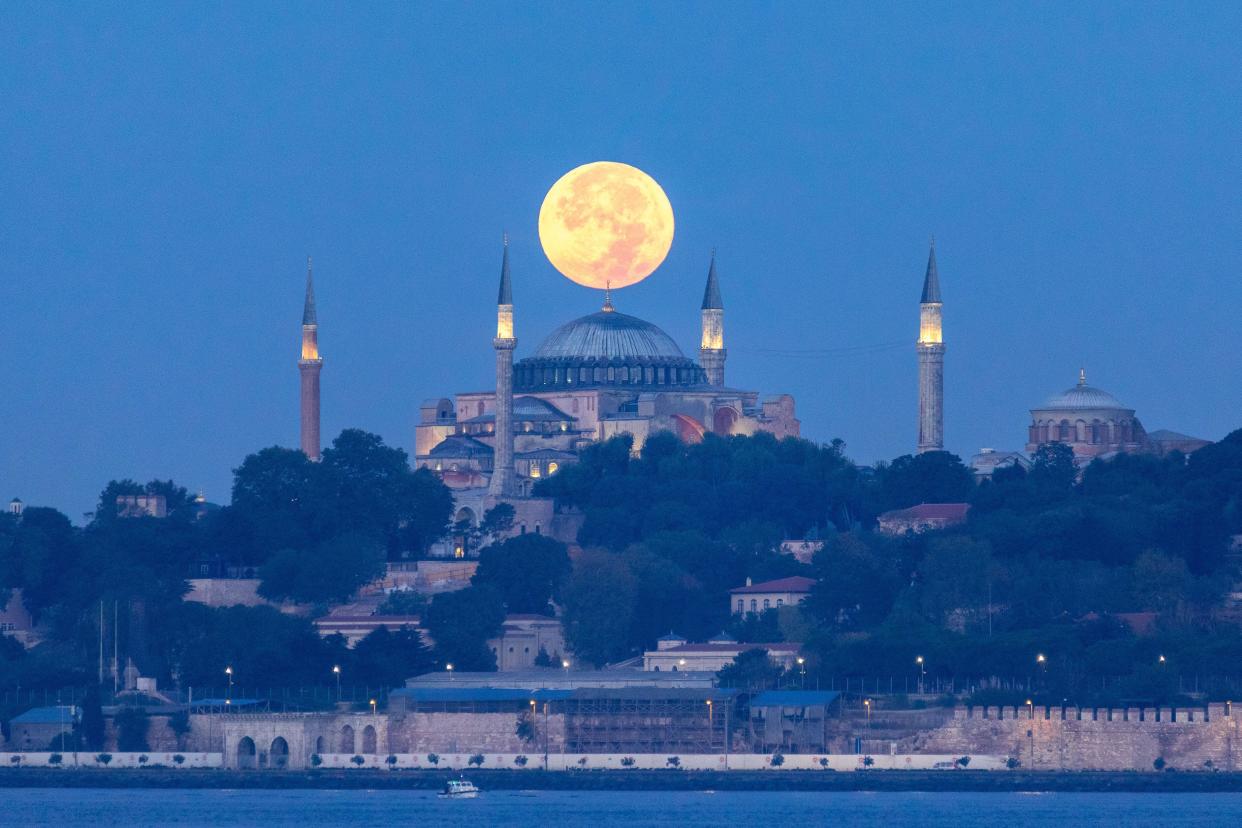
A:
794, 698
46, 715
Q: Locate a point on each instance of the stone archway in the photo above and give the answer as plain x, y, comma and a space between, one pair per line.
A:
466, 514
321, 745
279, 754
368, 740
723, 421
347, 740
246, 758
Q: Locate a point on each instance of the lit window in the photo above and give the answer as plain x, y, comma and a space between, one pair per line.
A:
458, 552
534, 470
552, 467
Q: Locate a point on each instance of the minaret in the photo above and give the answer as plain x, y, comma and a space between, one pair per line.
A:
711, 349
931, 361
309, 366
504, 481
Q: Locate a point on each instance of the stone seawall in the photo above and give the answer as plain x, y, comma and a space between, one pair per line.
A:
1056, 738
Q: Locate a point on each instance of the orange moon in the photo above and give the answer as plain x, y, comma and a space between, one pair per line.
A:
606, 224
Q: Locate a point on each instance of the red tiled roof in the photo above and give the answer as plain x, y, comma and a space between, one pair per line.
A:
929, 511
795, 583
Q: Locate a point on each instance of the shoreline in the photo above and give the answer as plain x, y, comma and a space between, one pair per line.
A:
958, 781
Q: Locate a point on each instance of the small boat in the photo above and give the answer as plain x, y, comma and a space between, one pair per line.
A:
459, 789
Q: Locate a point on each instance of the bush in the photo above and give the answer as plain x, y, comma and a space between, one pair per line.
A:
391, 760
1012, 763
103, 758
520, 761
143, 759
1159, 763
963, 761
178, 758
358, 760
868, 761
433, 758
476, 760
16, 760
55, 759
316, 760
674, 762
627, 761
582, 763
823, 763
777, 760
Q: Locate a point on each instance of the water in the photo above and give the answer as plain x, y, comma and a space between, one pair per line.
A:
91, 806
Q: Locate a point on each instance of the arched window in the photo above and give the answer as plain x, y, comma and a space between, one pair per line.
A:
765, 604
279, 754
368, 739
346, 744
552, 467
246, 753
741, 605
754, 607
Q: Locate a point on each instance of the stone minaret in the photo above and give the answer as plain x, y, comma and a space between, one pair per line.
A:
504, 480
711, 349
309, 366
931, 361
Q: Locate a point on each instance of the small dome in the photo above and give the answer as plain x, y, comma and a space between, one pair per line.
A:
608, 335
1083, 396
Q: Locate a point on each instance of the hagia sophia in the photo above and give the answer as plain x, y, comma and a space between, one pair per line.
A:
610, 373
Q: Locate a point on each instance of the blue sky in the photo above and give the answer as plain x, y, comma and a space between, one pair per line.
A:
165, 168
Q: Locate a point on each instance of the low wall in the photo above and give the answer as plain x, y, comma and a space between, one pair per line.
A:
69, 759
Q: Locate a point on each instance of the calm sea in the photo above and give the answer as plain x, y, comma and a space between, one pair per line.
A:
86, 806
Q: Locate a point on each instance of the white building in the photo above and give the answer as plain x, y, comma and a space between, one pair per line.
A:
675, 655
769, 594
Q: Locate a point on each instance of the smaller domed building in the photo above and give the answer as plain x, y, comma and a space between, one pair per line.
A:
1093, 423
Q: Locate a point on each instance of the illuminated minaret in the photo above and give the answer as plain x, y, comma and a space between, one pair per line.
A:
504, 481
931, 361
711, 349
309, 366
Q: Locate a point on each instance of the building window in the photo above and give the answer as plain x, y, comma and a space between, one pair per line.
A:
480, 408
552, 467
537, 532
534, 470
765, 603
779, 603
753, 605
576, 401
741, 605
459, 552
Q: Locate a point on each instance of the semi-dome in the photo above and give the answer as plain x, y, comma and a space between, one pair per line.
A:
606, 349
608, 335
1082, 397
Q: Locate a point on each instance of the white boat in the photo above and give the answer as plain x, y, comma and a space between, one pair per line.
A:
459, 789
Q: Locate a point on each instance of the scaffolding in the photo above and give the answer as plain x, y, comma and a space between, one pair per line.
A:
648, 720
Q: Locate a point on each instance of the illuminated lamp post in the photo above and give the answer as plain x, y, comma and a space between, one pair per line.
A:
372, 707
449, 667
565, 666
922, 672
1030, 731
802, 670
336, 669
228, 696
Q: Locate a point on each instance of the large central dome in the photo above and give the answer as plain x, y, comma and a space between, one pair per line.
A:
606, 349
608, 335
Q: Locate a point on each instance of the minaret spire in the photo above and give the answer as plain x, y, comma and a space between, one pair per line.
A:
930, 350
504, 479
712, 351
309, 367
1082, 377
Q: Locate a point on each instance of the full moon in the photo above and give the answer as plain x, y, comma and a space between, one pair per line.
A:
606, 224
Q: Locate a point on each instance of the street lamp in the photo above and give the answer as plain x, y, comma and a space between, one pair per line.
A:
1030, 731
1042, 661
867, 705
372, 707
228, 671
1162, 659
802, 670
922, 672
449, 667
709, 723
682, 662
336, 669
565, 665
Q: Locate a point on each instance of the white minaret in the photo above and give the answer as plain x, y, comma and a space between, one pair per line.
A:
504, 479
931, 361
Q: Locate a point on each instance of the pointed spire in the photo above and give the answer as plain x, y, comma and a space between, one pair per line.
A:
711, 293
608, 308
931, 282
308, 309
1082, 377
506, 286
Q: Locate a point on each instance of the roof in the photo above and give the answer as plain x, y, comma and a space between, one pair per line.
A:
505, 296
460, 445
711, 293
1164, 435
735, 647
931, 280
608, 335
59, 714
478, 694
308, 307
545, 454
1082, 397
795, 583
214, 702
672, 636
929, 511
794, 698
527, 408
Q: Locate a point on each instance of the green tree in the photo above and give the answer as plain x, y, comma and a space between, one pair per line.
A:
330, 571
526, 570
930, 477
91, 724
131, 727
461, 623
599, 599
387, 659
1053, 465
752, 670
